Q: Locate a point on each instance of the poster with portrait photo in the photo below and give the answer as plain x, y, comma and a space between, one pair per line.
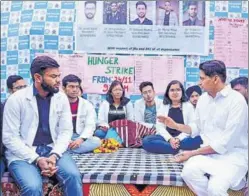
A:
142, 27
90, 12
142, 12
115, 12
167, 12
194, 13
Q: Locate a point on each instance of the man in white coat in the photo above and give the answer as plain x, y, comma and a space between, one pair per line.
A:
37, 129
222, 123
83, 117
146, 108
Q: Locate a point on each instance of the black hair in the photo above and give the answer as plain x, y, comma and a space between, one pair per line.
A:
89, 2
243, 81
144, 84
109, 97
167, 100
12, 79
214, 67
70, 78
192, 3
41, 63
141, 3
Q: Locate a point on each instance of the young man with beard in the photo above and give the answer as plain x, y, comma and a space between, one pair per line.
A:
141, 8
192, 12
37, 129
83, 117
90, 10
147, 107
194, 93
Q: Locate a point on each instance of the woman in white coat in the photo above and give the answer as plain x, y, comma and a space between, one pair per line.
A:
170, 141
115, 107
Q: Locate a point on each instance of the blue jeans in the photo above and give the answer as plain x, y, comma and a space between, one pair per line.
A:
28, 177
110, 133
2, 167
87, 146
157, 144
2, 171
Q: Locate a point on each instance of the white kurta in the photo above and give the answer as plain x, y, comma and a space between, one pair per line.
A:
222, 123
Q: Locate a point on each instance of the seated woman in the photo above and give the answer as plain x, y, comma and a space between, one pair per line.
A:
167, 140
115, 107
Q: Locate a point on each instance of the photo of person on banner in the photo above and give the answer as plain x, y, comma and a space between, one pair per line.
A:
141, 12
115, 12
90, 12
167, 12
90, 9
193, 13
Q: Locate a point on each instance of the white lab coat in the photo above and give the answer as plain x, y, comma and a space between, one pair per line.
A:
86, 119
21, 120
188, 117
140, 109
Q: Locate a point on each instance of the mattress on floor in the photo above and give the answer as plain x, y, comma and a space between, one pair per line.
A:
129, 166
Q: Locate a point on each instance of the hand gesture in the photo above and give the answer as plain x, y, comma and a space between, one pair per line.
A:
169, 122
76, 143
174, 142
183, 156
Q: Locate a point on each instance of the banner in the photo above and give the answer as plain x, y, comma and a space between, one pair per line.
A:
101, 70
159, 70
231, 41
142, 27
69, 63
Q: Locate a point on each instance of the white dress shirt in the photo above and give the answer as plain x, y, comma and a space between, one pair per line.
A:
222, 123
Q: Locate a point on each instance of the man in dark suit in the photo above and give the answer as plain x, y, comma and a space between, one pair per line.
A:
141, 8
192, 12
115, 16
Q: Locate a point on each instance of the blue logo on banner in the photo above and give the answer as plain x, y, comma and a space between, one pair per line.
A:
24, 70
67, 5
212, 6
211, 32
23, 42
5, 18
243, 72
41, 5
206, 58
13, 30
50, 42
3, 44
3, 71
53, 15
234, 6
37, 28
245, 15
16, 6
192, 74
27, 16
221, 14
12, 57
66, 29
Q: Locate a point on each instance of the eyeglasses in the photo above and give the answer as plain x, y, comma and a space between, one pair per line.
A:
20, 87
178, 90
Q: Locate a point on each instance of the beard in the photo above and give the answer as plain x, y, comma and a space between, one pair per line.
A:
49, 88
89, 16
